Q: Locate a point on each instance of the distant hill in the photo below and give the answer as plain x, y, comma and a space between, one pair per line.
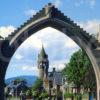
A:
29, 79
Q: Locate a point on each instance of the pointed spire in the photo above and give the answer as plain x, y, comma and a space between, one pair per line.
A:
99, 34
42, 52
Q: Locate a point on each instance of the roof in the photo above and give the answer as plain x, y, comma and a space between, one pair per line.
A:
56, 77
42, 53
19, 85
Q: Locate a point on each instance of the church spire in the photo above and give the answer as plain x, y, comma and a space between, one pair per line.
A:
42, 52
43, 63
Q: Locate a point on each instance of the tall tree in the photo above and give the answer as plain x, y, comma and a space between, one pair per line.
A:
79, 71
37, 85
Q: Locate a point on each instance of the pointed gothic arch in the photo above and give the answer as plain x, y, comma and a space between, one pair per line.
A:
49, 16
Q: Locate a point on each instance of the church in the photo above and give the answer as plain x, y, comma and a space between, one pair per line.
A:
52, 81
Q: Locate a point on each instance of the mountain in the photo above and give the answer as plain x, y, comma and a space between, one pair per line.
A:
29, 79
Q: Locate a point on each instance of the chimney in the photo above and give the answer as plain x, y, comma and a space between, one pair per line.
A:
54, 69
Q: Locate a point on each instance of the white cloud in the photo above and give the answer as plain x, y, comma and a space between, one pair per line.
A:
48, 37
58, 65
90, 3
31, 69
70, 43
30, 12
78, 3
33, 42
6, 30
91, 26
18, 56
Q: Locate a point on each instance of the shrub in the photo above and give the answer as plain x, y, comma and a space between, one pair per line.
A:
68, 95
29, 93
44, 95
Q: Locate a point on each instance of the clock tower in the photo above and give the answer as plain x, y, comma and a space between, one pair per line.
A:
43, 64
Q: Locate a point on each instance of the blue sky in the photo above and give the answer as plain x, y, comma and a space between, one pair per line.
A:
13, 13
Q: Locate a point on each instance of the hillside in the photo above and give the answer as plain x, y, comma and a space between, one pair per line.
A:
29, 79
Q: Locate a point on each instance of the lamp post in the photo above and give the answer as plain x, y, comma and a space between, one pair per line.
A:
64, 79
16, 91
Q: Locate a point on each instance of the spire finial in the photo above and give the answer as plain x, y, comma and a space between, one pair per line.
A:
48, 9
50, 4
42, 45
42, 52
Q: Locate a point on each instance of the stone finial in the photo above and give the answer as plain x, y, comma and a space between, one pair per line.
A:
98, 37
48, 9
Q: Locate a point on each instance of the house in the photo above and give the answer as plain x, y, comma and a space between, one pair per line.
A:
15, 89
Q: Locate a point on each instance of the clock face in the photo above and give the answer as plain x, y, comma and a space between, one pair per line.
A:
40, 64
43, 64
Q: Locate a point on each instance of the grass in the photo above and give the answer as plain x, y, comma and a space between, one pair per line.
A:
13, 98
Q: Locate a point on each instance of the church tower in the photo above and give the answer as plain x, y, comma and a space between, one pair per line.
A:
43, 64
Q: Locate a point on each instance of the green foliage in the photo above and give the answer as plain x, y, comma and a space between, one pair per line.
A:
79, 69
37, 85
44, 94
68, 95
90, 80
35, 93
18, 80
59, 93
28, 93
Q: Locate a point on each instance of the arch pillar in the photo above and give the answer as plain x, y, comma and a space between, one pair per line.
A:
3, 66
1, 89
5, 56
98, 91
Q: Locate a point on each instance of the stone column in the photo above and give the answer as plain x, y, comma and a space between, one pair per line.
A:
3, 66
98, 91
1, 89
6, 53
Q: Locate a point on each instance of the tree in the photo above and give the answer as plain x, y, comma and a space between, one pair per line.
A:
90, 82
29, 94
37, 85
19, 80
77, 68
78, 71
37, 88
43, 95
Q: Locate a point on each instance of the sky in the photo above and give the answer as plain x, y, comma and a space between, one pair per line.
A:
59, 48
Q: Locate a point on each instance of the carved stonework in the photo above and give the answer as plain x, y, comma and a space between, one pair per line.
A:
48, 9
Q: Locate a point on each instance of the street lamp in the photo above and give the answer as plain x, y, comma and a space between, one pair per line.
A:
64, 79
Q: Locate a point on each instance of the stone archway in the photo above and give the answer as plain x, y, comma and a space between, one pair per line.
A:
52, 17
